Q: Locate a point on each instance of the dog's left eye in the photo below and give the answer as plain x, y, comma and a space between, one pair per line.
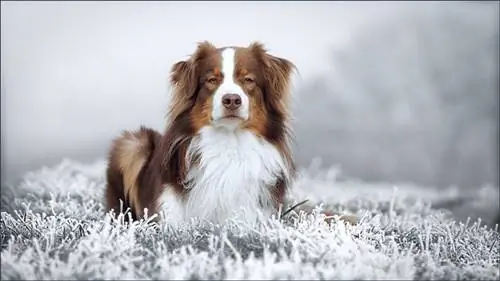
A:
212, 80
249, 80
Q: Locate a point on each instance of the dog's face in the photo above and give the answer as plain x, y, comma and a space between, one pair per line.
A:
232, 87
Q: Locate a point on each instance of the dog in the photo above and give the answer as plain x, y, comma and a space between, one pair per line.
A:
226, 150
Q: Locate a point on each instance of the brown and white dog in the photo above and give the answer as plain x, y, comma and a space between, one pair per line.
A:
225, 153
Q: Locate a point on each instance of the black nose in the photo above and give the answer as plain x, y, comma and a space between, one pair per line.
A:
231, 101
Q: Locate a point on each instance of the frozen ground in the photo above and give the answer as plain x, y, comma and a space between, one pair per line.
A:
53, 227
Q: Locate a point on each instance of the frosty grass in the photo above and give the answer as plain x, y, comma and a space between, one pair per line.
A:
53, 226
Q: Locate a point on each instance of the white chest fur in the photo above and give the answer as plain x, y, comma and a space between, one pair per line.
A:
232, 180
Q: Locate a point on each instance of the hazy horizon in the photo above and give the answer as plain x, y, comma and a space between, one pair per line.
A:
74, 74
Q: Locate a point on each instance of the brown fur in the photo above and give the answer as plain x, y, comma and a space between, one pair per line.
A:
141, 163
129, 153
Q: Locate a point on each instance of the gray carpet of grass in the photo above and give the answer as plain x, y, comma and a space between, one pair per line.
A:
53, 226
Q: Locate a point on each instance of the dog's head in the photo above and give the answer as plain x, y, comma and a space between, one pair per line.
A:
232, 87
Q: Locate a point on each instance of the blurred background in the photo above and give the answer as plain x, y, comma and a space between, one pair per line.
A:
387, 91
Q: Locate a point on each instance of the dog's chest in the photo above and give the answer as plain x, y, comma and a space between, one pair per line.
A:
232, 177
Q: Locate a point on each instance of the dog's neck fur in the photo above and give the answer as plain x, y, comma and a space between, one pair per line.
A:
230, 175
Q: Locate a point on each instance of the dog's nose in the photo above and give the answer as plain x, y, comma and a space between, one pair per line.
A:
231, 101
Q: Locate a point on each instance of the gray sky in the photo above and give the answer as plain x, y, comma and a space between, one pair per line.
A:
76, 73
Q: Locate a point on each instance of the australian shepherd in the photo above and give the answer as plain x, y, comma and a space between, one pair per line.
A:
225, 153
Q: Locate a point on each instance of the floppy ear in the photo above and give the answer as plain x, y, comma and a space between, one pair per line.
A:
183, 73
277, 74
184, 79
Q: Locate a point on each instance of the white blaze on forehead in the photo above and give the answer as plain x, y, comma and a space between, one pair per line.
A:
228, 64
229, 86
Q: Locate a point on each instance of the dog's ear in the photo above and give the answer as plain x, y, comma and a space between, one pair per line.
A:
277, 74
183, 73
184, 78
183, 81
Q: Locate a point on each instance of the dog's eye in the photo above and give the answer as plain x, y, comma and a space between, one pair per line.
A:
212, 80
249, 80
